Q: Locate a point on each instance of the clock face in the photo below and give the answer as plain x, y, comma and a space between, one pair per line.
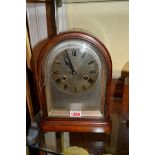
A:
74, 68
74, 73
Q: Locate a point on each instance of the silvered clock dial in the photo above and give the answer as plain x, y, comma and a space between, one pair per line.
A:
74, 69
73, 73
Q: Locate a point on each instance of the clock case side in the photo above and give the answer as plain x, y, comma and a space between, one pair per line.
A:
72, 124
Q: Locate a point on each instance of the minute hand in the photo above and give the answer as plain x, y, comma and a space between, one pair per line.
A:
70, 63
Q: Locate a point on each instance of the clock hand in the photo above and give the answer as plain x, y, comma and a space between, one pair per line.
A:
70, 63
65, 59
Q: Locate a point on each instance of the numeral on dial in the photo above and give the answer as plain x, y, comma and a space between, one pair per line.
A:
84, 88
89, 63
55, 72
65, 87
75, 90
57, 62
58, 81
93, 71
91, 80
74, 52
83, 55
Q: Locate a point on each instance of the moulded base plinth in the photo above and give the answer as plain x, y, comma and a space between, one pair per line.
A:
76, 125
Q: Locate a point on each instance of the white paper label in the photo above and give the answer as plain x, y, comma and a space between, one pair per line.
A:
75, 113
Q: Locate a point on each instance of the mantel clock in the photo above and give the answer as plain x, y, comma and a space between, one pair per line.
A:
73, 75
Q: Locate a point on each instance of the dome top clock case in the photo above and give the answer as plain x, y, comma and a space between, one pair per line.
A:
73, 75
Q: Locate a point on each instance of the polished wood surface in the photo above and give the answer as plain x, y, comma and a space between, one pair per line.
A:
50, 19
119, 103
68, 124
75, 125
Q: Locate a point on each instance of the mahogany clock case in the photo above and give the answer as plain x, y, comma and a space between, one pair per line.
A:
63, 123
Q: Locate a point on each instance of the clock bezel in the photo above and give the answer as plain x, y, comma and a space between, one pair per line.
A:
72, 124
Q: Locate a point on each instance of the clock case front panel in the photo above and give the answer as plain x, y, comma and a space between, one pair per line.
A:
56, 104
61, 101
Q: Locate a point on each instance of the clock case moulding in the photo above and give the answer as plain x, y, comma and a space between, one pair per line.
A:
70, 124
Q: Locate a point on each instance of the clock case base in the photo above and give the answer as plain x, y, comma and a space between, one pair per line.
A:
76, 125
47, 124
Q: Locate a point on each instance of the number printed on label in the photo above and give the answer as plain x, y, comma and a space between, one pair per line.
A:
75, 113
